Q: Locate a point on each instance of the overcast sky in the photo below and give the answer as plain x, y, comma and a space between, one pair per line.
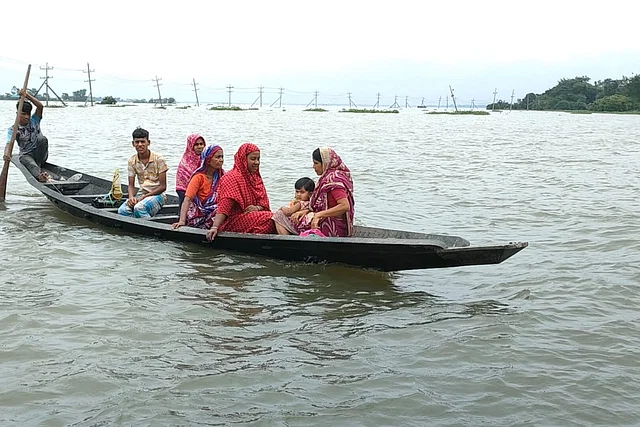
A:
403, 48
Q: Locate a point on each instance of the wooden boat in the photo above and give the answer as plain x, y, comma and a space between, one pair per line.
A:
373, 248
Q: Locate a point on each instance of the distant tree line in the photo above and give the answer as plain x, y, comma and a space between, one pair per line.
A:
80, 96
579, 94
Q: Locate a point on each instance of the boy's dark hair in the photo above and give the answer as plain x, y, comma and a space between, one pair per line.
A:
140, 133
306, 183
26, 106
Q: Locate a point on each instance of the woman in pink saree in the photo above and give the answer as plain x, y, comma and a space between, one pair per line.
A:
332, 202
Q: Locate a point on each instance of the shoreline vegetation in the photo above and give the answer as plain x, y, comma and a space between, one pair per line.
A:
579, 94
223, 108
462, 112
316, 110
368, 111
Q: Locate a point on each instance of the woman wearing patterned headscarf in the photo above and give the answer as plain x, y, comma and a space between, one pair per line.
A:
201, 198
189, 163
332, 200
243, 204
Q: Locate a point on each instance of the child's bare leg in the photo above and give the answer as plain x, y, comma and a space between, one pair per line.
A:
281, 230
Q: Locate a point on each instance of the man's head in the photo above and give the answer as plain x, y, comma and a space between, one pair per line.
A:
25, 114
141, 140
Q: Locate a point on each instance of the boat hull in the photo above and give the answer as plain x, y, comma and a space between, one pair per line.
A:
372, 248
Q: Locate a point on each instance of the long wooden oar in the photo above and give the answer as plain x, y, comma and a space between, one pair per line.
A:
5, 168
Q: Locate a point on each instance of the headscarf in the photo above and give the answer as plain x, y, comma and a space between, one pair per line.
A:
189, 162
210, 205
335, 175
242, 186
205, 158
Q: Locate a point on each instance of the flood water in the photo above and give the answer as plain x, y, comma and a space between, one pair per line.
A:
103, 328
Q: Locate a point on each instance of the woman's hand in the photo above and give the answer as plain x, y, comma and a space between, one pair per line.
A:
252, 208
212, 233
177, 224
296, 216
315, 222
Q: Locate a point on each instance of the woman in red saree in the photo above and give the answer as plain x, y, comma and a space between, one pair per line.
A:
332, 200
243, 204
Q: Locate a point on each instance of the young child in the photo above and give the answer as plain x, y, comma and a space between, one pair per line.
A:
151, 170
304, 187
34, 147
188, 164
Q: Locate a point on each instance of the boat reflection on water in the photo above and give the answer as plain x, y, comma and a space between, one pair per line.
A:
255, 290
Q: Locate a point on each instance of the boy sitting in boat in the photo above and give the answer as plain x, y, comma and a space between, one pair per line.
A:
151, 171
304, 188
34, 147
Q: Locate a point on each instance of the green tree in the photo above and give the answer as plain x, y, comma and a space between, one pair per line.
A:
108, 100
632, 88
615, 102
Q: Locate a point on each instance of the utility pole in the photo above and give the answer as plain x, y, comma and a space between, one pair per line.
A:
229, 87
453, 98
259, 98
314, 100
158, 84
279, 99
447, 106
395, 103
377, 102
422, 103
511, 105
406, 102
439, 99
89, 80
351, 103
473, 103
46, 81
493, 106
195, 89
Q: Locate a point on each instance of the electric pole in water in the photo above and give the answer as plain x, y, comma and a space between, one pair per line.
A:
279, 99
453, 98
259, 98
447, 106
495, 92
229, 87
473, 103
158, 84
511, 105
439, 99
195, 89
377, 102
314, 100
351, 103
89, 80
395, 103
406, 102
46, 81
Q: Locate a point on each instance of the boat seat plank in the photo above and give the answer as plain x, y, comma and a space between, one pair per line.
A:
165, 218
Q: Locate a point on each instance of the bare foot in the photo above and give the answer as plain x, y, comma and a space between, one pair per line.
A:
44, 177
